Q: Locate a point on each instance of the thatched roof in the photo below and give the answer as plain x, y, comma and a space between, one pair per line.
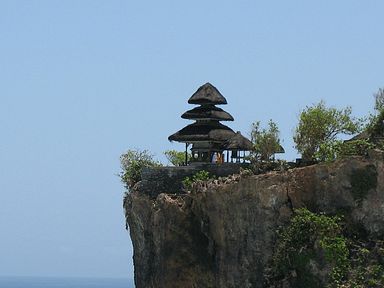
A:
207, 94
203, 131
207, 112
239, 142
207, 146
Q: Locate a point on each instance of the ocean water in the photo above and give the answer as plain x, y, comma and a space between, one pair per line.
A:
53, 282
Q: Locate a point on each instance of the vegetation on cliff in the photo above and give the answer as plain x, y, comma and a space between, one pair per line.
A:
379, 99
317, 250
199, 176
266, 141
318, 129
244, 225
316, 137
132, 163
176, 158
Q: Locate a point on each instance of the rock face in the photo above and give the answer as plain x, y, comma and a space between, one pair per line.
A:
223, 233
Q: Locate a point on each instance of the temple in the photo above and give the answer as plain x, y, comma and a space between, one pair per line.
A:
209, 138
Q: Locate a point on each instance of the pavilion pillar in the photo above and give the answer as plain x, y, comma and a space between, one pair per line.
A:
186, 154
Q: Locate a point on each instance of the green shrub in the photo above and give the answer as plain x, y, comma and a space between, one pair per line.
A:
199, 176
266, 141
355, 147
319, 127
176, 158
316, 239
329, 151
375, 126
366, 271
379, 99
132, 162
302, 240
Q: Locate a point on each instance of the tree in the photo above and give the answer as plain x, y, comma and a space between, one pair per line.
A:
176, 158
375, 122
379, 100
319, 127
132, 162
266, 141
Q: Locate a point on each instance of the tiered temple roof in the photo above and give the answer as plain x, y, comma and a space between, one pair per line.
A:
207, 126
207, 135
207, 112
203, 131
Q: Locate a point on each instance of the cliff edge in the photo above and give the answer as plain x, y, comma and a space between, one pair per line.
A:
223, 233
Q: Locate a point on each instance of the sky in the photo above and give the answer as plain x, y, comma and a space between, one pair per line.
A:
82, 81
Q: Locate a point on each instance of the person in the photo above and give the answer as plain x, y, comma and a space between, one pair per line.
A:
219, 158
214, 157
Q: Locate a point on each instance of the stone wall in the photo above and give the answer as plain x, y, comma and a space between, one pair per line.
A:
169, 179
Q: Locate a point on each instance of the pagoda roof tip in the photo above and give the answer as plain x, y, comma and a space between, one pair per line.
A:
207, 94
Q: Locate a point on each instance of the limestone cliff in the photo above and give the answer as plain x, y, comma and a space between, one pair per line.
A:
223, 233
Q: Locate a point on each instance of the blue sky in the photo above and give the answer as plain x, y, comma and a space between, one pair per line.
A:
82, 81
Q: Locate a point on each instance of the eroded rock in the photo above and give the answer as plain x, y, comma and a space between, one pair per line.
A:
223, 233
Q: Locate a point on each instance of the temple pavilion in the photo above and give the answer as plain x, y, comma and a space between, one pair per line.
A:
209, 138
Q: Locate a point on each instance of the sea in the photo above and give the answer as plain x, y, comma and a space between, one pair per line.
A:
58, 282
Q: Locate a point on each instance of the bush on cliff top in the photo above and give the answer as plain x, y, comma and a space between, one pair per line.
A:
132, 162
176, 158
319, 127
266, 141
198, 176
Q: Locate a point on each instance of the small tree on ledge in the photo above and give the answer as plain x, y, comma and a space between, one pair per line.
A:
176, 158
318, 128
132, 162
266, 141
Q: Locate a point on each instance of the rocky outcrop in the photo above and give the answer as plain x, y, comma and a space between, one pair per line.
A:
223, 233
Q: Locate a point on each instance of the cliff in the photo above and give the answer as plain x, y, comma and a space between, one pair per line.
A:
224, 232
